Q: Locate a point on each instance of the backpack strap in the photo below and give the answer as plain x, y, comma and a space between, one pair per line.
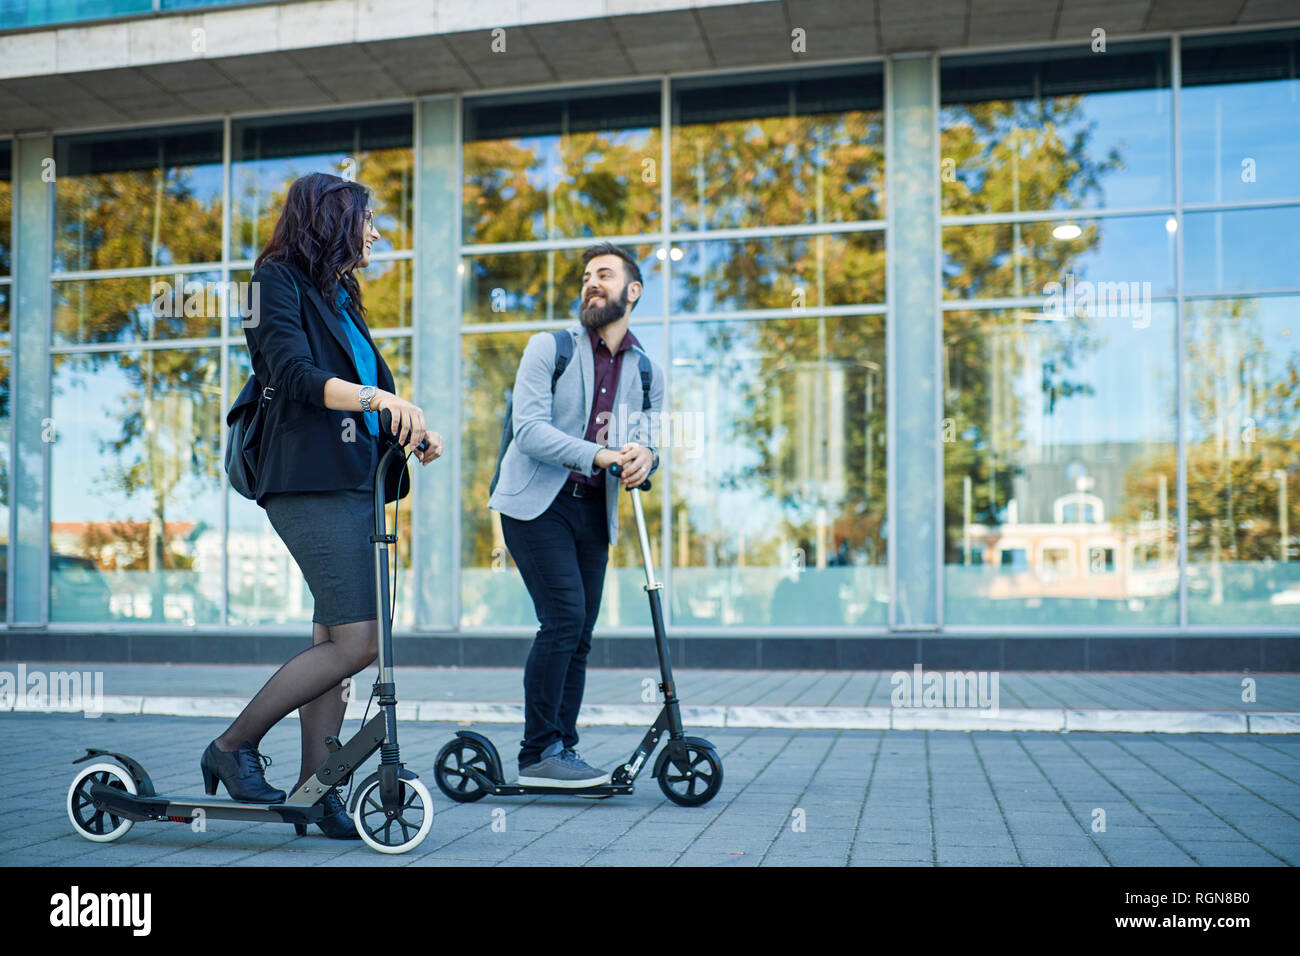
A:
647, 372
563, 352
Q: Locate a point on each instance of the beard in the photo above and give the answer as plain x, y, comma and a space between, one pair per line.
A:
596, 317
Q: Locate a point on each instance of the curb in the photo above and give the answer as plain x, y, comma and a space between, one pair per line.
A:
1046, 719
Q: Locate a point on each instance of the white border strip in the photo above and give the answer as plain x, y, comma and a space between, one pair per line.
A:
1044, 719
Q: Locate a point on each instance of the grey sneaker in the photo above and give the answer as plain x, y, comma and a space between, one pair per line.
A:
572, 755
561, 767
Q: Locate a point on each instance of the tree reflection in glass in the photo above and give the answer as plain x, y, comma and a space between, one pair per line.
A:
778, 455
140, 199
1243, 460
134, 529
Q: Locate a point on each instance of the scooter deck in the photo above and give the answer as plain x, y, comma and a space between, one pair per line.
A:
604, 790
182, 808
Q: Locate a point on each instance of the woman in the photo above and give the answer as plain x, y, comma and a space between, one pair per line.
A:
319, 452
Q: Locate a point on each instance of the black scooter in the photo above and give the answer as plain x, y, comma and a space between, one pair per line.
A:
689, 770
392, 809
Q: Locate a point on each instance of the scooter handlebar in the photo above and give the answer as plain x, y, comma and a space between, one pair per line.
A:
617, 470
386, 430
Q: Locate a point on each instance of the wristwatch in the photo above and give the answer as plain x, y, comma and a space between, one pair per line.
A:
365, 395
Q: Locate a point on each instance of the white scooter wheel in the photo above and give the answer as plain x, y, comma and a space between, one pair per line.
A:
98, 826
401, 832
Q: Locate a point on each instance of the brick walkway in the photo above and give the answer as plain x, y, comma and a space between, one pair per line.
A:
790, 797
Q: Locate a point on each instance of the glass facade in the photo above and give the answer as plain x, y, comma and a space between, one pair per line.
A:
1114, 271
773, 428
1118, 365
148, 352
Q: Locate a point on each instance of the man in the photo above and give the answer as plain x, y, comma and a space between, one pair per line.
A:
559, 503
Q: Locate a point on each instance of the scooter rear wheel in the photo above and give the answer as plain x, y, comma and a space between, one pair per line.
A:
98, 826
692, 776
451, 776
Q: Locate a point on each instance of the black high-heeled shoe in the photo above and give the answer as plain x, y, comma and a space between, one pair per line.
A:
337, 824
242, 771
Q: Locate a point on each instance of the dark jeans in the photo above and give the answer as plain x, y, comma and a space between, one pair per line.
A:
561, 555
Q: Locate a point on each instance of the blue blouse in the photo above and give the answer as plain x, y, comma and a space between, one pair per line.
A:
367, 363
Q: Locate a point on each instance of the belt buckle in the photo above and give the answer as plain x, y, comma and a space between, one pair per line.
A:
578, 489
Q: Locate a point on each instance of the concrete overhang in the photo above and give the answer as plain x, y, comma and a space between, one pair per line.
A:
326, 52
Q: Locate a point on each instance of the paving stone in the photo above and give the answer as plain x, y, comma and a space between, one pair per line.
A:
887, 815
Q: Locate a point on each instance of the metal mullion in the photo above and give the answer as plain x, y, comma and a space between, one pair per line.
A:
666, 301
392, 255
560, 89
225, 364
684, 318
458, 214
1241, 204
891, 361
1015, 302
134, 272
155, 345
681, 236
202, 118
633, 79
545, 245
811, 312
1239, 294
1048, 215
410, 334
941, 532
779, 232
1176, 79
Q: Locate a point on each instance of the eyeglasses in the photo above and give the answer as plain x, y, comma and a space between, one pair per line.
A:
368, 217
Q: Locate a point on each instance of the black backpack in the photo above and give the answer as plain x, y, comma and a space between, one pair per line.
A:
563, 352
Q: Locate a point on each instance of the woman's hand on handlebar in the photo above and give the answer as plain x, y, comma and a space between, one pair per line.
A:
408, 420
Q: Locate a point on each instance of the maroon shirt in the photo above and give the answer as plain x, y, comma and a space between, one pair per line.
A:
602, 404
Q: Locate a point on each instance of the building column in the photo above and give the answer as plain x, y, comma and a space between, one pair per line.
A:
29, 388
437, 361
914, 347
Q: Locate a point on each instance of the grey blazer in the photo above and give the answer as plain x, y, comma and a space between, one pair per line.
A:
549, 429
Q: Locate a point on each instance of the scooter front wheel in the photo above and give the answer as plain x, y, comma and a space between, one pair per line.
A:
403, 831
451, 770
96, 825
691, 776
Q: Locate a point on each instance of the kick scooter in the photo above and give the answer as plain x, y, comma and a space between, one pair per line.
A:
689, 770
392, 809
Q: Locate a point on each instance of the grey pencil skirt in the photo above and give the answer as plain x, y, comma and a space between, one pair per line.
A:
328, 534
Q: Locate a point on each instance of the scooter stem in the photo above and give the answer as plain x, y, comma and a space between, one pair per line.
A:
646, 558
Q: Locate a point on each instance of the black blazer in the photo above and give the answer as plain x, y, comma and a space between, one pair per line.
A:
297, 350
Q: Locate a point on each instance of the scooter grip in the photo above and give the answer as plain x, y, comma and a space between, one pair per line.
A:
386, 430
617, 470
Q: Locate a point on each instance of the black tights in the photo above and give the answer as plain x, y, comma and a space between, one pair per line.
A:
312, 682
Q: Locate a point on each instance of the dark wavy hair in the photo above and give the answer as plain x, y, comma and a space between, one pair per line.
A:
319, 231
